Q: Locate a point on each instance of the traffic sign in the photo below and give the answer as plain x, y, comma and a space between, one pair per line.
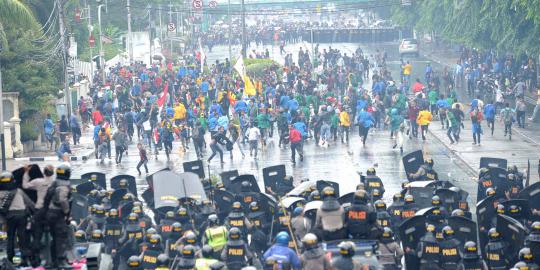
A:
212, 4
197, 4
171, 27
91, 41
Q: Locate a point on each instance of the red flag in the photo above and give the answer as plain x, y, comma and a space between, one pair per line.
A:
163, 97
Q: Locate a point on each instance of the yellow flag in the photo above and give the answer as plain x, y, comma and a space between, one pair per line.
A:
249, 88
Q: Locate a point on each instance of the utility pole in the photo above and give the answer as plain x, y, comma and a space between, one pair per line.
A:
150, 33
2, 138
160, 26
101, 54
170, 34
230, 31
67, 93
129, 36
90, 30
244, 45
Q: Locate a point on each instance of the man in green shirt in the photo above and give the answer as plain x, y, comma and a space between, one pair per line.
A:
263, 123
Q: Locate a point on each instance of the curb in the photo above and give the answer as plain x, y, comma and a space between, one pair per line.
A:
470, 169
82, 157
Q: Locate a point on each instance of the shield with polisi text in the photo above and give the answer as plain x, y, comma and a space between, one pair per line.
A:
412, 162
224, 200
228, 176
273, 176
99, 178
195, 167
465, 229
132, 184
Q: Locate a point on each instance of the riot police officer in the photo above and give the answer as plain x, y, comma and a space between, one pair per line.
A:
532, 240
165, 224
237, 218
57, 199
395, 210
162, 262
134, 263
206, 259
390, 253
314, 256
236, 253
183, 216
314, 196
372, 182
383, 218
14, 205
361, 217
187, 260
215, 235
425, 172
428, 250
281, 251
496, 251
525, 255
471, 260
450, 250
331, 216
345, 260
409, 209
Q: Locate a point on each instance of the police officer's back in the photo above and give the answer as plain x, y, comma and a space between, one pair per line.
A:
313, 257
428, 250
471, 260
345, 259
360, 217
450, 250
331, 216
496, 251
390, 253
236, 253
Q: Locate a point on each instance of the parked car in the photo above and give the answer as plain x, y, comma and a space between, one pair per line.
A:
409, 46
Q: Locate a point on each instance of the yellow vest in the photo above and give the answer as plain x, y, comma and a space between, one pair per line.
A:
216, 237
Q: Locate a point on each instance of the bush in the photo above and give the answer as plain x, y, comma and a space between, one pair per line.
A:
28, 132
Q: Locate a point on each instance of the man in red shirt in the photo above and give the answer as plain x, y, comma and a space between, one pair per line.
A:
296, 144
97, 117
417, 86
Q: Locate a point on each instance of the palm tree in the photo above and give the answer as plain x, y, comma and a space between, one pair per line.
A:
14, 13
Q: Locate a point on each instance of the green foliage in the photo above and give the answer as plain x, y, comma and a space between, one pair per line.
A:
504, 25
29, 132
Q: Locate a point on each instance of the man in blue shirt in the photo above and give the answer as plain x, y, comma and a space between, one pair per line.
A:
282, 253
489, 114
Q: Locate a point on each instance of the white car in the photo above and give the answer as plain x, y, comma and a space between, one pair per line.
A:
408, 46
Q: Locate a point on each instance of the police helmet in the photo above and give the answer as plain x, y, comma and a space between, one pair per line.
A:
405, 184
430, 227
128, 197
188, 251
525, 254
177, 227
455, 189
99, 210
134, 261
500, 209
361, 186
163, 260
346, 249
371, 171
490, 192
150, 232
6, 177
429, 162
220, 185
234, 233
514, 209
397, 197
375, 192
310, 240
137, 203
511, 177
123, 183
191, 238
169, 214
213, 219
207, 251
155, 239
470, 247
484, 170
63, 171
297, 211
314, 196
254, 207
328, 192
493, 234
521, 266
535, 227
360, 196
80, 236
387, 233
113, 213
435, 200
97, 235
236, 206
447, 231
409, 198
245, 186
282, 238
458, 213
133, 217
380, 205
182, 212
510, 169
94, 192
136, 210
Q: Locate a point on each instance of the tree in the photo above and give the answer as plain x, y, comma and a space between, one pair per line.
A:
13, 13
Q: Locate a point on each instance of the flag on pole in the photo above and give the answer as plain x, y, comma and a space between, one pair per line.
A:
249, 88
203, 56
161, 100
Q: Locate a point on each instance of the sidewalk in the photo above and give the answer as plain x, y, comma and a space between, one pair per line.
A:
82, 151
523, 146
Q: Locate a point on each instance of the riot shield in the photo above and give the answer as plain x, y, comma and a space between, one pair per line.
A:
449, 199
513, 233
422, 192
310, 210
321, 184
150, 177
235, 185
498, 182
33, 173
79, 207
273, 175
410, 232
487, 162
124, 210
148, 197
195, 167
149, 259
85, 188
532, 194
228, 176
465, 229
112, 234
347, 198
523, 205
96, 177
290, 203
132, 184
116, 196
485, 214
224, 200
412, 162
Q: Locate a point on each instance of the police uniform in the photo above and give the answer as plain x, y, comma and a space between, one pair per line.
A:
215, 237
496, 254
360, 217
450, 252
236, 254
428, 252
471, 260
330, 217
